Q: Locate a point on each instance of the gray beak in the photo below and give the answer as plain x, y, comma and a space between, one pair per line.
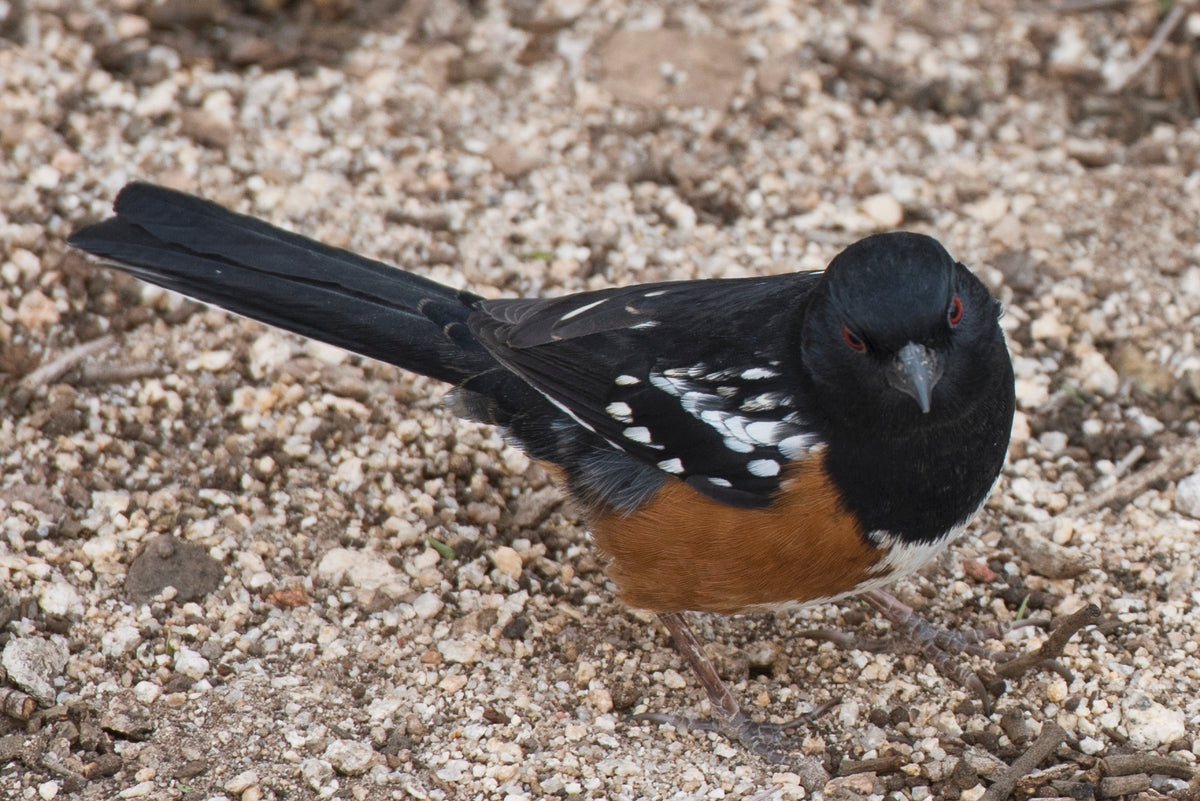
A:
915, 371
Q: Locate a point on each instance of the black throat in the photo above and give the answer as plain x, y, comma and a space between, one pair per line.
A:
920, 483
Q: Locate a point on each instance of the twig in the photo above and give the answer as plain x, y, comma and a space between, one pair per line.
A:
53, 370
1128, 764
1083, 6
1046, 744
1053, 647
1182, 460
1165, 29
105, 373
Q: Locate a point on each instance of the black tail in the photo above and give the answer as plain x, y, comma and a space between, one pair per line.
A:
254, 269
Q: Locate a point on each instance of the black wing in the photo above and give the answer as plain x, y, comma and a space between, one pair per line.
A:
692, 376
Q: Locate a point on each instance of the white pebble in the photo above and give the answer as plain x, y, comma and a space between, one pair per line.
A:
1150, 724
463, 652
146, 692
1097, 375
507, 561
350, 757
190, 663
672, 680
427, 605
1187, 496
120, 640
884, 210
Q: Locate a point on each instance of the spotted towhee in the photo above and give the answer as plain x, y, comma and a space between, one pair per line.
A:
737, 445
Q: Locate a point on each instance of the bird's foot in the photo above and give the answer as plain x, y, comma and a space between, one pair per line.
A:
770, 741
944, 649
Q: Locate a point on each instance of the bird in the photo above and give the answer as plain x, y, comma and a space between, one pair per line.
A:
735, 445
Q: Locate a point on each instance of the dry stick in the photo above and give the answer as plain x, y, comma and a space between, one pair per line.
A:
1047, 743
1178, 12
92, 374
1081, 6
1182, 460
1128, 764
53, 370
1053, 647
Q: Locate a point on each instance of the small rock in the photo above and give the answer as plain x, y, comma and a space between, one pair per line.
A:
884, 210
1187, 496
241, 782
1097, 375
454, 771
507, 561
453, 683
462, 652
350, 757
33, 663
857, 785
146, 692
364, 569
1150, 724
205, 128
170, 562
140, 790
120, 640
427, 605
1147, 375
36, 310
316, 772
48, 790
1019, 269
1048, 326
190, 663
1091, 152
672, 680
990, 210
1055, 442
59, 598
600, 700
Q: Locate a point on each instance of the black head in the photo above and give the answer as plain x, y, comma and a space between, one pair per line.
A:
899, 333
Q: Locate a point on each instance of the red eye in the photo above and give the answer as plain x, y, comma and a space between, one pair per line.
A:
852, 339
956, 311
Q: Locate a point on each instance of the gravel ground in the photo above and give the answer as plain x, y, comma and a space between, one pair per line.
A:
370, 599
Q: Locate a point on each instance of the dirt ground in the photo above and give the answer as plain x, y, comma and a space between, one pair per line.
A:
236, 565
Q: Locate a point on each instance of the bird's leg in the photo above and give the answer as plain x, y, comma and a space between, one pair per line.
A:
764, 739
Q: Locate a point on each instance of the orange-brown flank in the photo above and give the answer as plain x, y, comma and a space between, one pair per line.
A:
684, 551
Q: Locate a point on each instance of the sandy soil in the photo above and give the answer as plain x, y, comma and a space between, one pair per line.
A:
372, 600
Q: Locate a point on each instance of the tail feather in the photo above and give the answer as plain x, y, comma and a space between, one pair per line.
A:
254, 269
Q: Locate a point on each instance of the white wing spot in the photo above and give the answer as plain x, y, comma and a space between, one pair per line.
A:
738, 445
581, 310
647, 324
758, 373
628, 380
796, 445
763, 467
654, 294
637, 434
620, 412
719, 482
671, 466
763, 432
